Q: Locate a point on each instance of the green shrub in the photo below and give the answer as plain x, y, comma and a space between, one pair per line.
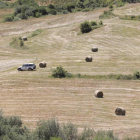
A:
51, 6
100, 23
111, 7
86, 10
65, 12
59, 72
104, 135
36, 32
119, 3
9, 18
18, 43
136, 75
70, 7
107, 15
93, 23
16, 19
85, 27
47, 129
51, 11
87, 134
70, 131
37, 14
11, 128
21, 43
69, 75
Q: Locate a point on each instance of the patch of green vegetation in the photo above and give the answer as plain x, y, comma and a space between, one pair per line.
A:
18, 43
36, 32
107, 15
11, 128
5, 4
87, 26
130, 17
30, 8
60, 72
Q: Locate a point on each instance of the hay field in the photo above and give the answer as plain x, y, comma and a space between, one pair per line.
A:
33, 96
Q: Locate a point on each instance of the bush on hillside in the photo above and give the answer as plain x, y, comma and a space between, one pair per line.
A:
104, 135
36, 32
9, 18
107, 15
100, 23
51, 6
47, 129
70, 7
51, 11
70, 131
85, 27
86, 10
93, 23
136, 75
59, 72
11, 128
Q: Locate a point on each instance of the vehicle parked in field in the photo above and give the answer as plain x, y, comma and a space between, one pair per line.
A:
28, 66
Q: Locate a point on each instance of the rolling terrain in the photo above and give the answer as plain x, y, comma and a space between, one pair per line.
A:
33, 96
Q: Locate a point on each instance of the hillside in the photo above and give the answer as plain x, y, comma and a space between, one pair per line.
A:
33, 96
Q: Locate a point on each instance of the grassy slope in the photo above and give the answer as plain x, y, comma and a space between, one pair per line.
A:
33, 96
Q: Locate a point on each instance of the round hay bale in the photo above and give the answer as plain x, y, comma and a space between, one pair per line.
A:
24, 38
120, 111
88, 59
94, 49
98, 94
42, 64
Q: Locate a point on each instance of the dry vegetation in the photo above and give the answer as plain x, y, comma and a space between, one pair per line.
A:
34, 96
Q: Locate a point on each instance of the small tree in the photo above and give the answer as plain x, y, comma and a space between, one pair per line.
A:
59, 72
85, 27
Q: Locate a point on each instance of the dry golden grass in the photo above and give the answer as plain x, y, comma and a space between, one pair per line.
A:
33, 96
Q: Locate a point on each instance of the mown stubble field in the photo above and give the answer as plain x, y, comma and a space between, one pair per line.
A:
33, 96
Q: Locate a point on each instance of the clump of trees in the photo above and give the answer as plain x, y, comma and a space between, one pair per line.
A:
4, 4
25, 9
87, 26
11, 128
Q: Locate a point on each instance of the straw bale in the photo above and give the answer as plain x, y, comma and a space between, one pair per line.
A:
98, 94
94, 49
42, 64
120, 111
88, 59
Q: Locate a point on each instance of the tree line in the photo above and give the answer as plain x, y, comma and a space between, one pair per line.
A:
24, 9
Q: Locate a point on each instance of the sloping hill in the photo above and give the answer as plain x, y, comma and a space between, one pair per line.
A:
34, 96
